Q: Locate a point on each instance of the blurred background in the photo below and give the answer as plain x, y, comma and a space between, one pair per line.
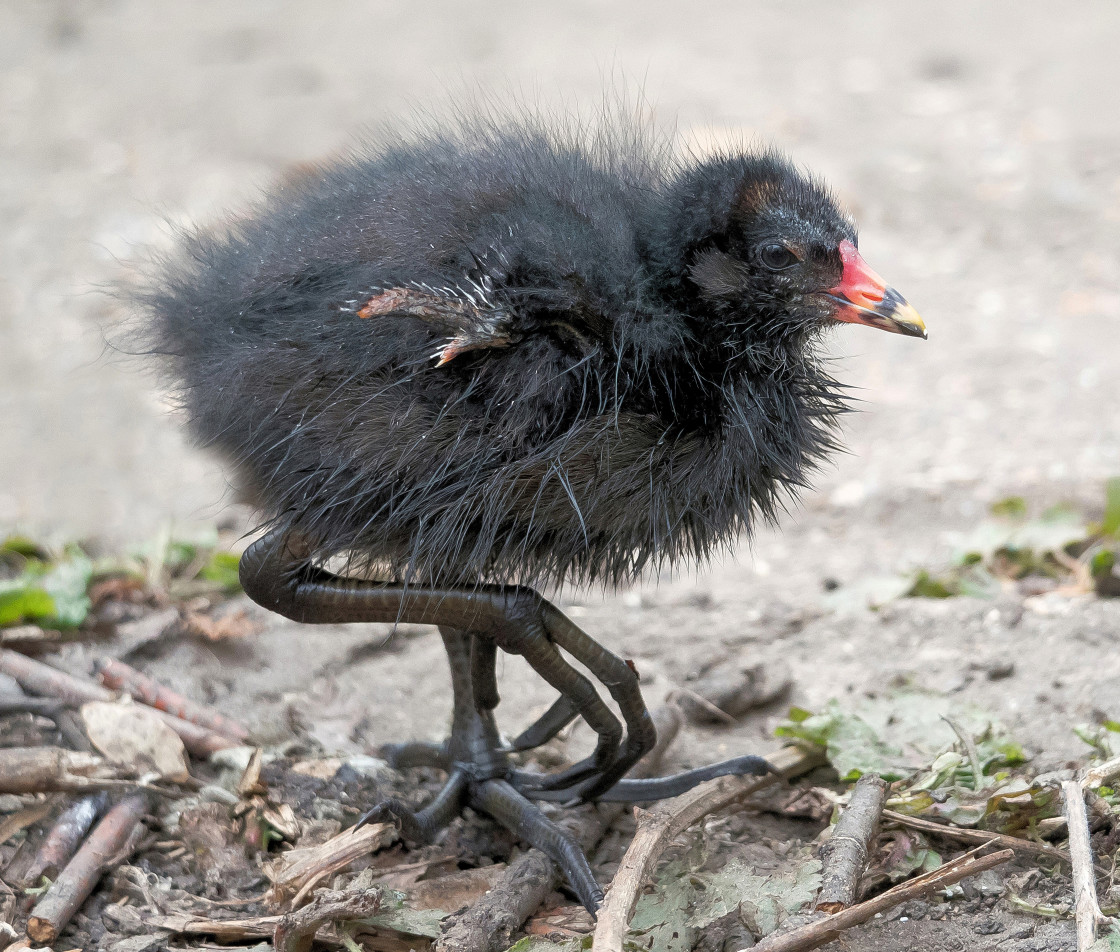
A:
977, 146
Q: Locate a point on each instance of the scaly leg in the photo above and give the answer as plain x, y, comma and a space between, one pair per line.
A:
277, 573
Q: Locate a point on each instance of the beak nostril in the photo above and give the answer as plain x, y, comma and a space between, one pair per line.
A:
867, 297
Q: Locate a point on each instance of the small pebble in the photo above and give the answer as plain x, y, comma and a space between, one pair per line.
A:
212, 793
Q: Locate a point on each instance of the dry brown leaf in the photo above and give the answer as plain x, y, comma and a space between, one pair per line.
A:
283, 820
250, 783
132, 734
118, 588
456, 890
565, 921
235, 624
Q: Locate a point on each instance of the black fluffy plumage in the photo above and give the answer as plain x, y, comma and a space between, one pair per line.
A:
512, 353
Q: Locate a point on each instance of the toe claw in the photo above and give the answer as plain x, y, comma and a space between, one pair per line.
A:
409, 824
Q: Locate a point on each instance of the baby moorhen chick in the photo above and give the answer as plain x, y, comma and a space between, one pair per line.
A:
480, 361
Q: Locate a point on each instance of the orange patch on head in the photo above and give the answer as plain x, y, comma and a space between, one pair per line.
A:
757, 196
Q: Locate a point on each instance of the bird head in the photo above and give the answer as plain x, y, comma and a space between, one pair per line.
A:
768, 250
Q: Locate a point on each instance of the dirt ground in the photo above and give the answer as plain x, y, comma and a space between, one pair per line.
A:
979, 148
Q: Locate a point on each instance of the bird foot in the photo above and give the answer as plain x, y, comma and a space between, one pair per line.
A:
508, 799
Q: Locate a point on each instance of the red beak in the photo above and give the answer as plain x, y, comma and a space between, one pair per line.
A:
865, 298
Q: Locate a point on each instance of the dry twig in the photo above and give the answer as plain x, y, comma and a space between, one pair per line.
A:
815, 934
845, 854
295, 932
264, 927
28, 634
224, 930
42, 769
42, 679
1086, 909
969, 835
296, 872
41, 706
1102, 774
64, 838
658, 828
119, 676
112, 839
489, 925
24, 818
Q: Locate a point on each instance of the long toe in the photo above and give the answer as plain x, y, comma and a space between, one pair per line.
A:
662, 788
411, 826
422, 826
416, 754
501, 801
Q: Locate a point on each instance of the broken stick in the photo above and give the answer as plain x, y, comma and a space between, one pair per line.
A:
42, 679
236, 931
64, 838
1087, 911
295, 932
121, 677
43, 769
845, 854
970, 835
489, 925
113, 838
815, 934
658, 828
295, 873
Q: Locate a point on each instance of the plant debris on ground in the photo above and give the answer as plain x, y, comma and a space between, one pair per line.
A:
201, 839
1056, 550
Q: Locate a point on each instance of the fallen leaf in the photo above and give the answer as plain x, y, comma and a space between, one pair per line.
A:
564, 922
131, 733
235, 624
456, 890
396, 915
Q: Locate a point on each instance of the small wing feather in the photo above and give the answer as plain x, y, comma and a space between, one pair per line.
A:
467, 322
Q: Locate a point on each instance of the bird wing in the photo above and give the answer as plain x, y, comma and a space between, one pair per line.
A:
466, 320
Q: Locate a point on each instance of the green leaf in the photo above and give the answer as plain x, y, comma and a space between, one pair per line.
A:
1099, 738
66, 582
1013, 507
1110, 525
1102, 563
1114, 939
222, 569
764, 902
1058, 527
921, 858
662, 917
22, 546
1011, 807
22, 603
853, 746
926, 586
396, 915
49, 594
538, 943
767, 900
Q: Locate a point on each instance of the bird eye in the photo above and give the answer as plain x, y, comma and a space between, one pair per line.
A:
777, 257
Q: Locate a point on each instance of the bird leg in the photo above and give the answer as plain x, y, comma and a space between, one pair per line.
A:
278, 573
547, 726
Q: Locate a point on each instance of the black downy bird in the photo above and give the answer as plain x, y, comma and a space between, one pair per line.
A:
479, 361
